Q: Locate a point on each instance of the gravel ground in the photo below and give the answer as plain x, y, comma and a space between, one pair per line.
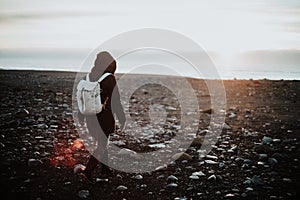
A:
256, 156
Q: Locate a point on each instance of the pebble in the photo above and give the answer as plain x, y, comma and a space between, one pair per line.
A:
211, 157
172, 185
138, 177
194, 177
101, 180
257, 180
287, 180
125, 151
211, 162
229, 195
172, 178
182, 156
212, 178
83, 194
266, 140
200, 173
272, 161
34, 162
263, 157
78, 168
122, 188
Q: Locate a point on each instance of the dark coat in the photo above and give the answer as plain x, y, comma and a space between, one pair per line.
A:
109, 96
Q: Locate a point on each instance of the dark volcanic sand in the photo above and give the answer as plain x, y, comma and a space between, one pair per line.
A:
47, 136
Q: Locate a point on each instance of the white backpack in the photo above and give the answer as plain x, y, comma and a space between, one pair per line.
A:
89, 95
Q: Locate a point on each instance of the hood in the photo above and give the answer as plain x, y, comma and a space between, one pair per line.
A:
104, 63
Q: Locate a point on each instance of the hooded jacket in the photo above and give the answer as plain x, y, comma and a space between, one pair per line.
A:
110, 96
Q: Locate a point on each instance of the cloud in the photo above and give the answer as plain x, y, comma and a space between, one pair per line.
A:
14, 17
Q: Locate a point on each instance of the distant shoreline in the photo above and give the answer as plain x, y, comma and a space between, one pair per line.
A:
120, 74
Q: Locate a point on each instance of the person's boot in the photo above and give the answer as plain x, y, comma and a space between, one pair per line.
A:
91, 165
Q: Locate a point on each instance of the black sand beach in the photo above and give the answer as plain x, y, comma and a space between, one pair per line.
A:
256, 157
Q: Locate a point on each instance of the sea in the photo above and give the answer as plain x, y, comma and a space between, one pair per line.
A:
76, 61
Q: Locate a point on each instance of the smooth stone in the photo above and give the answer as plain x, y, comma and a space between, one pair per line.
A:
226, 127
34, 162
211, 162
160, 168
172, 185
212, 177
229, 195
83, 194
200, 173
138, 177
194, 177
248, 162
125, 151
160, 145
272, 161
263, 157
122, 188
257, 180
182, 156
172, 178
78, 168
211, 157
198, 141
287, 180
267, 140
101, 180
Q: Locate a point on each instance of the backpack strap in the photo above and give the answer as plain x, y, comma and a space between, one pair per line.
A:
100, 79
104, 76
87, 78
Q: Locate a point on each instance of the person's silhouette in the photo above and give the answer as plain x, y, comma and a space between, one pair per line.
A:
112, 107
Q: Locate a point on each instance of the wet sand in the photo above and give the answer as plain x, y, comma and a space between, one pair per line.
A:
256, 157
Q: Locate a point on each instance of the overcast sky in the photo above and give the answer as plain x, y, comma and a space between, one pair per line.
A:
226, 27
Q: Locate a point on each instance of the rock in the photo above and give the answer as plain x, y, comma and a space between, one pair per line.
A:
83, 194
211, 162
276, 140
287, 180
22, 113
194, 177
208, 111
211, 157
200, 173
172, 178
248, 162
182, 156
257, 181
228, 196
34, 162
160, 145
101, 180
212, 178
226, 127
221, 165
138, 177
172, 185
160, 168
267, 140
272, 161
122, 188
198, 141
263, 157
125, 151
78, 168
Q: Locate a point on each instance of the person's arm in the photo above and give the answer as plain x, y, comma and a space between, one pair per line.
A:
117, 107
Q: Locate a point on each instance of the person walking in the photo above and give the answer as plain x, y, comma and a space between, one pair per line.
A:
103, 124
